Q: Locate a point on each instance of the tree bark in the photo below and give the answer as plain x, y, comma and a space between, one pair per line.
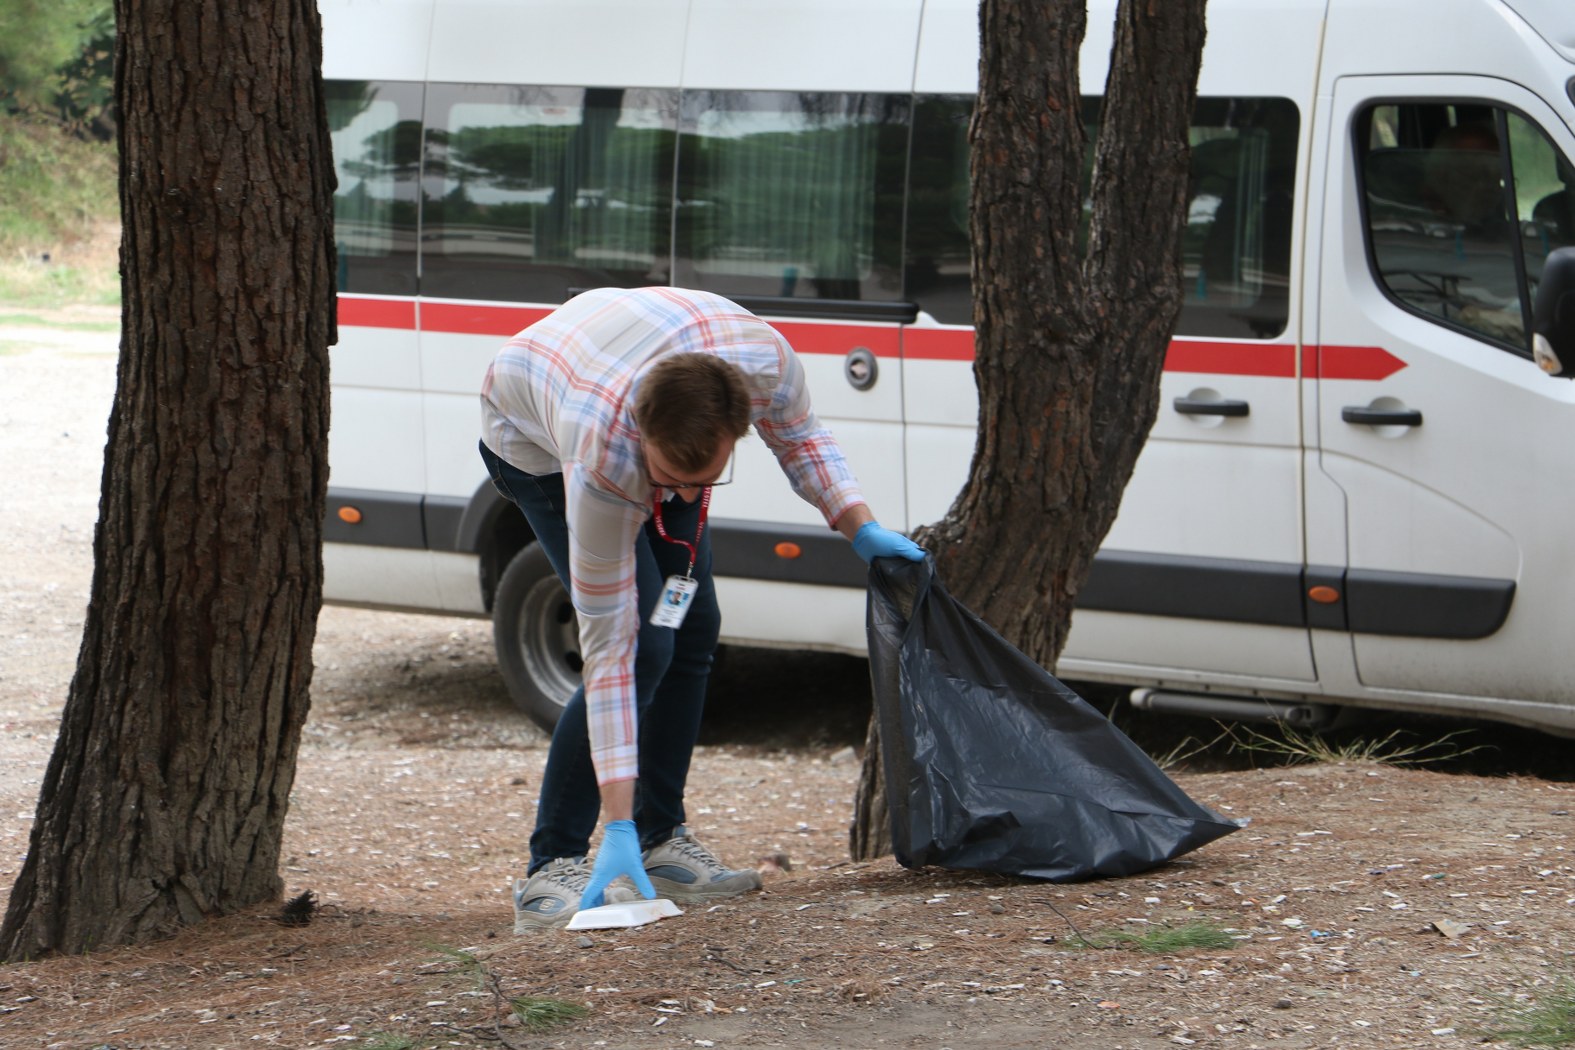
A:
165, 798
1070, 341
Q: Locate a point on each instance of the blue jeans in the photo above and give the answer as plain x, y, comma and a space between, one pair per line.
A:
670, 672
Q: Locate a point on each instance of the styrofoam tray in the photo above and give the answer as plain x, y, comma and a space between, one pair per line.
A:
626, 913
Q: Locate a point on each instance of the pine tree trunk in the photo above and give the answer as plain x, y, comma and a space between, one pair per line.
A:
165, 798
1070, 342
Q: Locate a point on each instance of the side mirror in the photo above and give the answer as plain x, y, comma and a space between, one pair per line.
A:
1553, 316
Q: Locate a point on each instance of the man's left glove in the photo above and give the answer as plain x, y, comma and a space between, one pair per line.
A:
872, 541
619, 855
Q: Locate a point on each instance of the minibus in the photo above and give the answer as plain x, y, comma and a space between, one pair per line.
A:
1354, 496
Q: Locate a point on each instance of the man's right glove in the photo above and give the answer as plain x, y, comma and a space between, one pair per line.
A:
619, 855
872, 541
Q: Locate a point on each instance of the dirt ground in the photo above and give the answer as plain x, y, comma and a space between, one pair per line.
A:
1369, 906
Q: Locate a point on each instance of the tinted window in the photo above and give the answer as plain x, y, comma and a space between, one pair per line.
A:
1236, 250
532, 192
791, 194
935, 270
1463, 203
376, 135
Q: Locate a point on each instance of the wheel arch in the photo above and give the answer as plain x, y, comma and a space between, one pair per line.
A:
496, 530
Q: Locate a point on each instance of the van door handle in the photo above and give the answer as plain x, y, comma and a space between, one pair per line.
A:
1381, 417
1191, 406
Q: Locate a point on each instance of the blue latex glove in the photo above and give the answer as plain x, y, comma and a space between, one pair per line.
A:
619, 855
872, 541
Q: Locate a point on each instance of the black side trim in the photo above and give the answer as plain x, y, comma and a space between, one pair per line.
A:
1369, 601
444, 516
748, 550
1422, 605
388, 519
1195, 588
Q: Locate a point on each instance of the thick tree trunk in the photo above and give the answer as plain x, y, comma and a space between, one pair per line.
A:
1070, 342
165, 799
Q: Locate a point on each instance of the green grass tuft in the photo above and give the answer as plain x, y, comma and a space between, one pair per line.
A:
1397, 749
386, 1041
538, 1014
1161, 940
1549, 1022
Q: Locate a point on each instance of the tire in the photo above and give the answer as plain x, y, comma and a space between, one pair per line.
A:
537, 637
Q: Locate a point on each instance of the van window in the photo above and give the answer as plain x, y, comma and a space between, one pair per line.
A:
935, 267
376, 134
1236, 249
533, 193
791, 194
1463, 203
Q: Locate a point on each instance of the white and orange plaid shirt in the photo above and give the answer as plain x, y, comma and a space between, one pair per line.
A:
560, 396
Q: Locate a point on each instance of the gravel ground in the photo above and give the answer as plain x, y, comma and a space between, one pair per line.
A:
1367, 906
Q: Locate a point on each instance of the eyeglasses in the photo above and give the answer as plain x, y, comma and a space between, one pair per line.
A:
724, 478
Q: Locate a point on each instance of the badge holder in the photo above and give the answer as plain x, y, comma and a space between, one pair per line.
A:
678, 591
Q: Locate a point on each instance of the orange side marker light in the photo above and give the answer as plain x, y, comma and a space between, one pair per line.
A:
788, 550
349, 515
1324, 595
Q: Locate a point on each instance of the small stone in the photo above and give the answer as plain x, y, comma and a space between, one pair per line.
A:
1283, 1004
586, 942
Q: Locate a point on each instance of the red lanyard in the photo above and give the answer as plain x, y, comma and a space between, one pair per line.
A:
661, 530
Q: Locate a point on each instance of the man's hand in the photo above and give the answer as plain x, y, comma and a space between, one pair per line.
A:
872, 541
619, 855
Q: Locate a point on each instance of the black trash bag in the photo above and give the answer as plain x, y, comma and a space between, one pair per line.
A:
991, 764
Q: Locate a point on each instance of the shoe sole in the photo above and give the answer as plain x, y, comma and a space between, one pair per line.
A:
740, 884
524, 925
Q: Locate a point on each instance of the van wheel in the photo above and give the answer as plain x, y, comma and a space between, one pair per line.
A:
537, 637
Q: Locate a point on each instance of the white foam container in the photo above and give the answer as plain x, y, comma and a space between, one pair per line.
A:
625, 913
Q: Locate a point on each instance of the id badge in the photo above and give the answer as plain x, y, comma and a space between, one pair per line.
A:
677, 592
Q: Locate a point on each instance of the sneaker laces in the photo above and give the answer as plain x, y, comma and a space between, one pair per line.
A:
569, 872
687, 847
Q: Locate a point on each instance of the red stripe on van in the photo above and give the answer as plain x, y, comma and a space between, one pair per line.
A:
1217, 357
938, 344
1236, 359
479, 318
1349, 362
377, 313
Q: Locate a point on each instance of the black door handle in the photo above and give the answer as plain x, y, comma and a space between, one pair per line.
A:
1188, 406
1381, 417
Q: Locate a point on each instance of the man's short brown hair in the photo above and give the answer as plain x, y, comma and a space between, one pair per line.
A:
688, 404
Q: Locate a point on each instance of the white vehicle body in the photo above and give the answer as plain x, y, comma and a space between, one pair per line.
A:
1291, 533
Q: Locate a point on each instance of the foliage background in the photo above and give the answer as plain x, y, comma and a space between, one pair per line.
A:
59, 228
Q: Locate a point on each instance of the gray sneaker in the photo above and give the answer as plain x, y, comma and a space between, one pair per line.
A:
552, 895
684, 870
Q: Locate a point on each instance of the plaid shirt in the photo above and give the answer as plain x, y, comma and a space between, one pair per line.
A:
560, 396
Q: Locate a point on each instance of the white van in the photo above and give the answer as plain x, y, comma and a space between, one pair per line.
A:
1354, 492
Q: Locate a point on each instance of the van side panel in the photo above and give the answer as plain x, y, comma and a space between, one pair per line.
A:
807, 45
396, 51
588, 43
